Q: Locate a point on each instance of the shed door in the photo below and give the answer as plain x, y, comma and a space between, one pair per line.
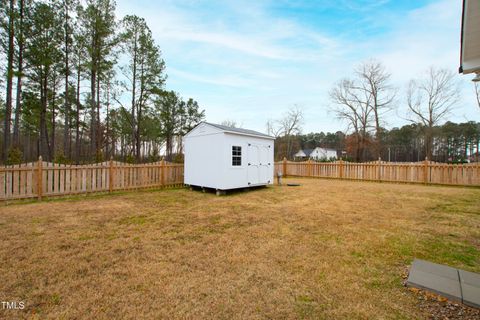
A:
258, 166
253, 172
265, 166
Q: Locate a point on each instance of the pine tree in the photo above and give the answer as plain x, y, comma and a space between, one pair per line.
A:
98, 29
20, 71
43, 56
9, 89
67, 8
144, 71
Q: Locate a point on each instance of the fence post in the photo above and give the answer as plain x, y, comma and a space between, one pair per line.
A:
110, 175
477, 178
379, 169
309, 166
284, 167
341, 169
425, 171
162, 172
39, 178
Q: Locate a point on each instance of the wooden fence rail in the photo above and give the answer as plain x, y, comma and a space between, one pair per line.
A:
40, 179
426, 172
43, 179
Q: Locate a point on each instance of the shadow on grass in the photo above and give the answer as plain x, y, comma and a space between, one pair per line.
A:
89, 196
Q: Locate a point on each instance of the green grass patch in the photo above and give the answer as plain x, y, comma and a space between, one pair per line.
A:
55, 299
85, 237
464, 205
134, 220
452, 253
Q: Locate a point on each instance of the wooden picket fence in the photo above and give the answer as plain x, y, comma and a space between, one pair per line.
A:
43, 179
426, 172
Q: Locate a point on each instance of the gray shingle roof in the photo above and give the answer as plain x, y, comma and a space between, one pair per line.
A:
307, 151
239, 130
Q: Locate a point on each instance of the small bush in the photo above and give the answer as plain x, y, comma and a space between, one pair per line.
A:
130, 159
15, 156
177, 158
60, 158
99, 156
153, 158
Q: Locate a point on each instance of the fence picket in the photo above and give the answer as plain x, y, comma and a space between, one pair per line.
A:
426, 172
44, 178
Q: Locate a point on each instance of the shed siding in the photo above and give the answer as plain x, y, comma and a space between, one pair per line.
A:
204, 159
237, 177
208, 159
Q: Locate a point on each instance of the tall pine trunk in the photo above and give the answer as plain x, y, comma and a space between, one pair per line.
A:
134, 82
77, 114
8, 102
54, 93
98, 144
93, 136
66, 130
43, 143
107, 120
18, 107
93, 82
139, 114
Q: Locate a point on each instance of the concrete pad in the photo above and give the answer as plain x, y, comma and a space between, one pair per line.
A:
469, 277
470, 285
454, 284
435, 268
443, 286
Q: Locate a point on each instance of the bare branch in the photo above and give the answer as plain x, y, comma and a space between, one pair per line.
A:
273, 129
430, 99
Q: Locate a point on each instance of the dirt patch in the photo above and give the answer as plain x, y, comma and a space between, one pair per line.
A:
440, 308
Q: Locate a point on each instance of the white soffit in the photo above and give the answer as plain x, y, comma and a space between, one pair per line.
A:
470, 55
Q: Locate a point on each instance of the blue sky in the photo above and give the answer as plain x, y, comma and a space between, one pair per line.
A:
249, 61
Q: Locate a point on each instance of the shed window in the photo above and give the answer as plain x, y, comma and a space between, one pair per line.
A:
236, 156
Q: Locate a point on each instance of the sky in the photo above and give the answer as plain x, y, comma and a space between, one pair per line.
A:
250, 61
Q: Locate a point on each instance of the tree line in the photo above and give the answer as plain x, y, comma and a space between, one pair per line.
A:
362, 103
452, 143
81, 85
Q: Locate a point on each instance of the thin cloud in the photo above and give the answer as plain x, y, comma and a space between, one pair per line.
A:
251, 62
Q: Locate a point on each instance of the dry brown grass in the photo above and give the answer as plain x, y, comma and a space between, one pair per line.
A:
328, 249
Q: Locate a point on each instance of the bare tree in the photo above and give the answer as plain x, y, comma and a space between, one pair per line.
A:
291, 125
273, 129
430, 99
287, 127
375, 81
353, 104
230, 123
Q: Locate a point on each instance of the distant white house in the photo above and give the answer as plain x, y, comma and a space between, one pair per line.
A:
316, 154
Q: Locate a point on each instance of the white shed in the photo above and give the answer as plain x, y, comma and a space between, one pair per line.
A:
224, 158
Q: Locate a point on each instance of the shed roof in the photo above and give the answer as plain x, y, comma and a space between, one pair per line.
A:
240, 131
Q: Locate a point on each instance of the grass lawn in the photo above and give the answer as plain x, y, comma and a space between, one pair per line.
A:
327, 249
